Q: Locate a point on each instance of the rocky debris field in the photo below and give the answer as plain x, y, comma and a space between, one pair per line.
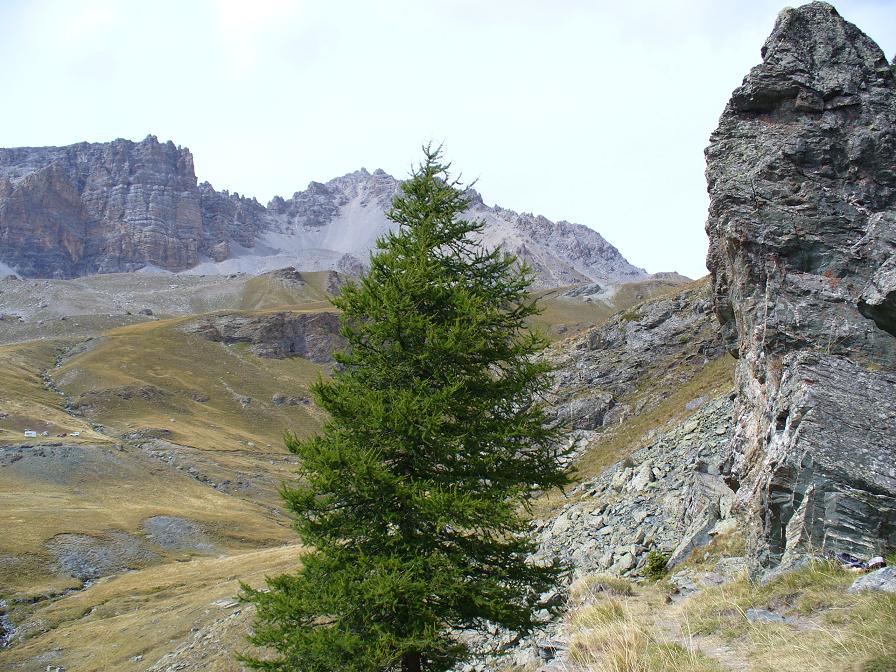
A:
667, 497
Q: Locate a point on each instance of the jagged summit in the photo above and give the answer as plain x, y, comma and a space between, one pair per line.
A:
123, 205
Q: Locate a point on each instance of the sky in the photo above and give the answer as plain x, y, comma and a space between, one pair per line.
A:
595, 112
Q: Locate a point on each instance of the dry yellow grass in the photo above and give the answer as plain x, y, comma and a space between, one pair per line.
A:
26, 401
106, 490
834, 631
622, 631
156, 356
92, 487
147, 613
266, 291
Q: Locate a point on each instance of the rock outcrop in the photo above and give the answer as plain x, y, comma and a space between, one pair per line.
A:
802, 225
95, 208
664, 491
122, 206
632, 363
314, 336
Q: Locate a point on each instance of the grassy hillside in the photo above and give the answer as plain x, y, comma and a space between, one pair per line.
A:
104, 497
183, 430
190, 390
25, 400
127, 622
564, 316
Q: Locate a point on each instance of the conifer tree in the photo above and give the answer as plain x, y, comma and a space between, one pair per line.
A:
413, 498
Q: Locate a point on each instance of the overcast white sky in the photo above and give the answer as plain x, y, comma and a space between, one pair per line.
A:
591, 111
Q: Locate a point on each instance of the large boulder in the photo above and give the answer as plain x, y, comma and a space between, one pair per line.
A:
802, 225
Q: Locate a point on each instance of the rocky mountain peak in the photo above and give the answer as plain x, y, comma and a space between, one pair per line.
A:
802, 229
813, 60
122, 205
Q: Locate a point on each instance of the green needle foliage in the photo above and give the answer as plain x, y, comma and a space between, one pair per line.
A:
414, 496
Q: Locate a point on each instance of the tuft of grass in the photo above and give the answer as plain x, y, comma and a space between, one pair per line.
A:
727, 545
591, 587
674, 657
884, 663
602, 612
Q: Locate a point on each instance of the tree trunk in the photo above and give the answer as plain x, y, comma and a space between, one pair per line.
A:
410, 662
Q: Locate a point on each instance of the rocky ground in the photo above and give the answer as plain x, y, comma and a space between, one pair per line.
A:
666, 497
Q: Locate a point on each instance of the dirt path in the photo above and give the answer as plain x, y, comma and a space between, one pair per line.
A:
712, 647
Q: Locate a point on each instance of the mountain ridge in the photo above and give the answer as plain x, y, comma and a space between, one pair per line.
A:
123, 206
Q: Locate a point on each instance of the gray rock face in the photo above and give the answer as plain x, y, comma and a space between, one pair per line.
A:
802, 229
228, 218
95, 208
669, 495
663, 341
121, 206
314, 336
881, 579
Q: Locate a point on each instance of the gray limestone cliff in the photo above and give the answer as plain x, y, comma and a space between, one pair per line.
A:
96, 208
801, 174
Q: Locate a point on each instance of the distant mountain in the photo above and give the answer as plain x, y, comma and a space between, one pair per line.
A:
124, 206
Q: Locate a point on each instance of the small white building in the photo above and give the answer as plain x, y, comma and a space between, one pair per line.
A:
30, 433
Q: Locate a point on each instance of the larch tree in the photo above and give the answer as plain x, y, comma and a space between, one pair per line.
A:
413, 500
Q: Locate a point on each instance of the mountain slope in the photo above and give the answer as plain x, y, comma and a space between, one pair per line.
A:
122, 206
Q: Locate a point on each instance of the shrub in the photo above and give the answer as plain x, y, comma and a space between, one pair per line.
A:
655, 567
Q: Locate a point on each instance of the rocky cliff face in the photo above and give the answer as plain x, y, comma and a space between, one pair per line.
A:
314, 336
802, 229
121, 206
662, 491
96, 208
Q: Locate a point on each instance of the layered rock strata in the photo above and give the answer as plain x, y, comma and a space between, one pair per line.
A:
801, 174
